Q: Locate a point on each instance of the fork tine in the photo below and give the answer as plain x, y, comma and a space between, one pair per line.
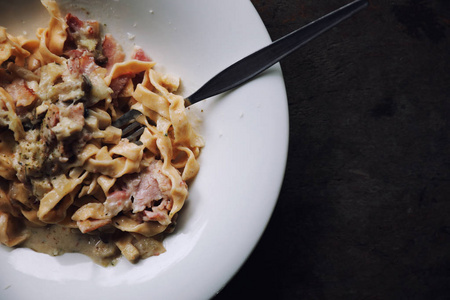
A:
135, 135
130, 128
126, 118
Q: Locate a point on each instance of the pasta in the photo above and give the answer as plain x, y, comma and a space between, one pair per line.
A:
66, 173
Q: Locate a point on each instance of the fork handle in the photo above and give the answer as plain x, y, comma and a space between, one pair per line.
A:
252, 65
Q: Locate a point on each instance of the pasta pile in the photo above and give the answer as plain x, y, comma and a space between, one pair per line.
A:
63, 164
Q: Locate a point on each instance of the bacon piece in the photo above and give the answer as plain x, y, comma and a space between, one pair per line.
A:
21, 93
113, 51
81, 62
117, 201
147, 194
139, 54
159, 212
118, 84
75, 53
82, 34
74, 24
151, 196
148, 190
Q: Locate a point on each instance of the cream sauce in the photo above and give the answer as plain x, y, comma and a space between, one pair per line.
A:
57, 240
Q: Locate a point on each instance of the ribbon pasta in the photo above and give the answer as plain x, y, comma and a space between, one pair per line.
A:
64, 166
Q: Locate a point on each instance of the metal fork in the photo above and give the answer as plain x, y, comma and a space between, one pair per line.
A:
252, 65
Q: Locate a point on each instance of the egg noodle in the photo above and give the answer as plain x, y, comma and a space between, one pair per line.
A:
65, 170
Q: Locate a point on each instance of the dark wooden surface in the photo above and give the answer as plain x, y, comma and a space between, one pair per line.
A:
364, 211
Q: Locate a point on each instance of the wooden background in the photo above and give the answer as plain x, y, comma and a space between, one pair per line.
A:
364, 211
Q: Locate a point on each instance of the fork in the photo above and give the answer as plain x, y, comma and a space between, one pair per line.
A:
252, 65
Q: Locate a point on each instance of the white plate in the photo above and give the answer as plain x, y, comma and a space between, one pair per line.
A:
242, 165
